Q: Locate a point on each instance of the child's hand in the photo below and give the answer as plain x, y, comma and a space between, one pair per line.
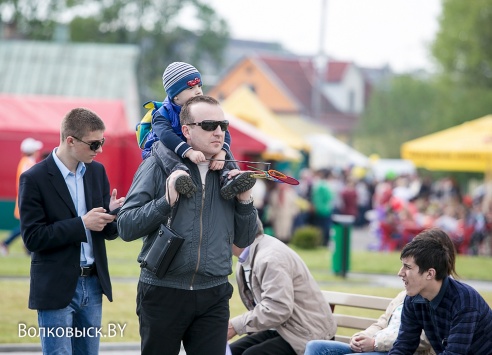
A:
196, 156
217, 164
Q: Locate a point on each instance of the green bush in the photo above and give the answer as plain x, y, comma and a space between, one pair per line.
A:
307, 237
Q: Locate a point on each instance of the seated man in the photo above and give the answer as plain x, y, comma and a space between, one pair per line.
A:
454, 316
380, 336
285, 306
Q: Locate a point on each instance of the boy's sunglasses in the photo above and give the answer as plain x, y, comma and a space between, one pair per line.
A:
209, 125
95, 145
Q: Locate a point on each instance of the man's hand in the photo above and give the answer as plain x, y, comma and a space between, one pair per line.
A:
218, 164
195, 156
362, 344
231, 332
96, 219
115, 202
243, 196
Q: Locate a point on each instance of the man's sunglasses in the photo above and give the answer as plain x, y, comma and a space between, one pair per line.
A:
95, 145
209, 125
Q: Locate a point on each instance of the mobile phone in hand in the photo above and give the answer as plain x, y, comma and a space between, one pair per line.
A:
115, 211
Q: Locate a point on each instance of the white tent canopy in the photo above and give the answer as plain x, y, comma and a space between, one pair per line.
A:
382, 167
330, 152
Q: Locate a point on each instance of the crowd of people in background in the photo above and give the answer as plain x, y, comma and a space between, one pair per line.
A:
395, 208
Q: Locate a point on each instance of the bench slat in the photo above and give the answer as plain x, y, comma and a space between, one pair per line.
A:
358, 301
354, 300
353, 322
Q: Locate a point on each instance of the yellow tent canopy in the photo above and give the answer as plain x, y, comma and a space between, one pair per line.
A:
466, 147
244, 104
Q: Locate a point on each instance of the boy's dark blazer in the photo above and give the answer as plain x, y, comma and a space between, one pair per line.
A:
52, 231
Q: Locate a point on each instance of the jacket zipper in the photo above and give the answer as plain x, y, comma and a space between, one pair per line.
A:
201, 237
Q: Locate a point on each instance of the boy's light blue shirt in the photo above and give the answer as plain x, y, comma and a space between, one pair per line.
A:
75, 184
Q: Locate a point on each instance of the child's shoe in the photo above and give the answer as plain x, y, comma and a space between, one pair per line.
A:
184, 185
238, 184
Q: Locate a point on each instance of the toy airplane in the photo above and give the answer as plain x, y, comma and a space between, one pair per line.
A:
273, 175
270, 174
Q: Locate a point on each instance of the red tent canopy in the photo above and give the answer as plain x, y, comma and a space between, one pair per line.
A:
40, 117
43, 114
247, 142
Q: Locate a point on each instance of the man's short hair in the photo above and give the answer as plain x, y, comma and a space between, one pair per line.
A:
446, 242
185, 115
429, 252
80, 121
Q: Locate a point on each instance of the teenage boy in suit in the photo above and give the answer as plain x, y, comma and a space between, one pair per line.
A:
64, 203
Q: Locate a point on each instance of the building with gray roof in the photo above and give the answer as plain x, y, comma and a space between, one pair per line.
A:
85, 70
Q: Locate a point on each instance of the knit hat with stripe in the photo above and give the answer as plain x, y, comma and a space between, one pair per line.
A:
179, 76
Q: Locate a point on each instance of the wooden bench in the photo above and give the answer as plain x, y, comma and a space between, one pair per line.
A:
341, 305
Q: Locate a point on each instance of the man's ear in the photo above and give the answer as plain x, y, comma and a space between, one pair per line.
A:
430, 274
186, 131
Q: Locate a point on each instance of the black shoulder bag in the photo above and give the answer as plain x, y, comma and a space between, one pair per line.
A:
164, 248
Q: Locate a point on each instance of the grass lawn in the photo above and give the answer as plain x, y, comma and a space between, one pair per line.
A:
124, 270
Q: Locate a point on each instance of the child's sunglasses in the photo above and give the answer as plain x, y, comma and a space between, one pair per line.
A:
94, 145
209, 125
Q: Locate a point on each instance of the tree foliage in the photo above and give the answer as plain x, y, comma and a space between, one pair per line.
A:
398, 111
463, 45
165, 30
410, 106
32, 19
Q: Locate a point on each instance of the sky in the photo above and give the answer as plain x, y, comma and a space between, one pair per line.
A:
370, 33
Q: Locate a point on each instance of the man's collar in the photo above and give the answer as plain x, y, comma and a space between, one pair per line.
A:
244, 255
63, 169
250, 251
444, 286
436, 300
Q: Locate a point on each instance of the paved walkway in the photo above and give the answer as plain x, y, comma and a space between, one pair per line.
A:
105, 349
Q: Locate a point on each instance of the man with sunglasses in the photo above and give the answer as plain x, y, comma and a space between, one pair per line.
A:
190, 304
181, 82
64, 202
